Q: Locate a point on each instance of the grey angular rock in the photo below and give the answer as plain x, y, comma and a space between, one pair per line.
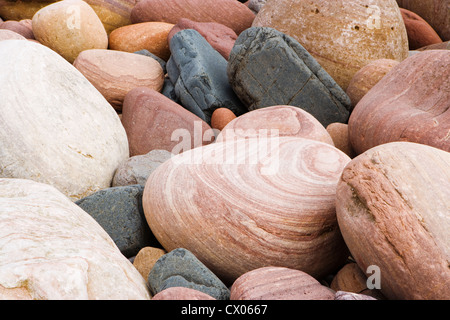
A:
199, 76
256, 5
119, 212
268, 68
136, 170
180, 268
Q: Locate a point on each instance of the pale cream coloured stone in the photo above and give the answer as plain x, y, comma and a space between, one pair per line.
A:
50, 249
69, 27
342, 35
55, 127
115, 73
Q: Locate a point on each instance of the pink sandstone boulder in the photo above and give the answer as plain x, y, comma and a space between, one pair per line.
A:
153, 121
411, 103
231, 13
277, 283
23, 27
277, 121
393, 209
181, 293
420, 33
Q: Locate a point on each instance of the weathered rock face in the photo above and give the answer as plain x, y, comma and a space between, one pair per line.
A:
151, 36
51, 249
115, 73
367, 77
275, 121
219, 36
240, 206
269, 68
65, 133
360, 32
199, 76
410, 104
277, 283
231, 13
393, 210
154, 122
69, 27
435, 12
420, 33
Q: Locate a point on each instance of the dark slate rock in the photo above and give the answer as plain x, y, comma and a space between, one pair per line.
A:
180, 268
119, 212
268, 68
147, 53
199, 76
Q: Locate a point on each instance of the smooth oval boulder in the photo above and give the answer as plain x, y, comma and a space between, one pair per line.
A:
268, 68
361, 32
277, 283
69, 27
180, 268
231, 13
219, 36
339, 134
115, 73
250, 203
151, 36
367, 77
154, 122
278, 121
409, 104
146, 259
50, 249
6, 34
198, 74
61, 130
420, 33
19, 10
119, 211
435, 12
393, 210
221, 117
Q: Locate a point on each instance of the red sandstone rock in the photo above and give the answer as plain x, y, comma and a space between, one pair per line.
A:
219, 36
392, 204
181, 293
231, 13
420, 33
339, 133
435, 12
367, 77
22, 27
410, 104
277, 283
153, 121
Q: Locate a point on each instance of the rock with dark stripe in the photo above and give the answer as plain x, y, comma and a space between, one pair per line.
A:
268, 68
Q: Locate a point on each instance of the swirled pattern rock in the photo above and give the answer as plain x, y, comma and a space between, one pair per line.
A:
393, 210
61, 130
412, 103
277, 283
50, 249
361, 31
277, 120
246, 204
